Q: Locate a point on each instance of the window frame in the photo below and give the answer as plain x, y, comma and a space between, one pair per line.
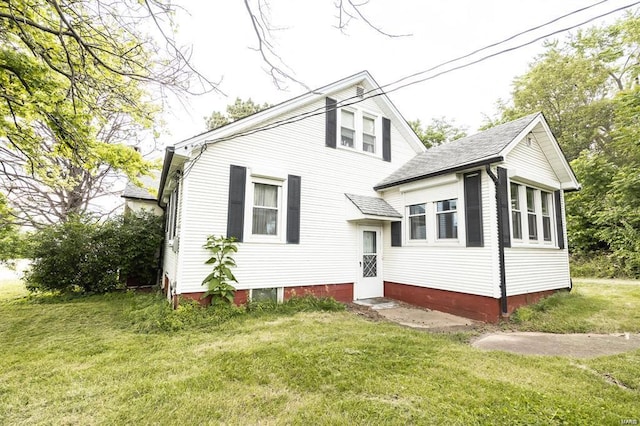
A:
279, 182
410, 216
353, 130
366, 116
515, 212
450, 211
547, 230
535, 214
279, 293
358, 138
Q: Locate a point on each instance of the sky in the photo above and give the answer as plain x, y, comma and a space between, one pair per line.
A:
220, 36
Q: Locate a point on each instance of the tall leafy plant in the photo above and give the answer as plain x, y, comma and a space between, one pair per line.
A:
219, 281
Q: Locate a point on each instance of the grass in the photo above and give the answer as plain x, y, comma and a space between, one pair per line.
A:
593, 306
87, 361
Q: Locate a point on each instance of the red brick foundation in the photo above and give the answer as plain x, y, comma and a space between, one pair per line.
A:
481, 308
341, 292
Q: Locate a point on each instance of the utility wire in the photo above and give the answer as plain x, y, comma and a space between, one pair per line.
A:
377, 91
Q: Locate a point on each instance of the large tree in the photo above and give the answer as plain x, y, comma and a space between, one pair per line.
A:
235, 111
588, 89
439, 131
77, 82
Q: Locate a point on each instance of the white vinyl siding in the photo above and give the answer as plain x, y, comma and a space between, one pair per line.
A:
328, 249
438, 264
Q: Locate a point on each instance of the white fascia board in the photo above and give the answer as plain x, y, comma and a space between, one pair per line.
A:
555, 146
364, 78
273, 112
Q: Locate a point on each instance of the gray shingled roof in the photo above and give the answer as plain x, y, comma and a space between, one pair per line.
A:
461, 152
373, 206
138, 193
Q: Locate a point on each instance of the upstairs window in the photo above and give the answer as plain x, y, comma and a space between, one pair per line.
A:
265, 209
545, 199
516, 215
347, 128
532, 214
418, 222
447, 219
368, 134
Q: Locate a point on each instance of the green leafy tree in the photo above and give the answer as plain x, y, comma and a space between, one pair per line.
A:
439, 131
588, 89
235, 111
79, 81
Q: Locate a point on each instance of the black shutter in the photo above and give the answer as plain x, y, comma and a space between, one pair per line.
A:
331, 119
235, 209
473, 209
293, 210
386, 139
396, 234
503, 206
557, 195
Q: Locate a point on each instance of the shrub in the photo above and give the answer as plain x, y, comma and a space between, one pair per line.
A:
80, 255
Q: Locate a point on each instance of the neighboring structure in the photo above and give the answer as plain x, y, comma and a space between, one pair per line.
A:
332, 193
138, 198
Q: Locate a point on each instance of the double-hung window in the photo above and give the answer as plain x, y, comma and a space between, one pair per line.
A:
532, 214
418, 222
545, 199
347, 128
447, 219
516, 215
368, 134
359, 130
265, 209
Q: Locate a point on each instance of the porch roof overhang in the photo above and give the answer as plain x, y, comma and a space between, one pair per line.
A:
365, 208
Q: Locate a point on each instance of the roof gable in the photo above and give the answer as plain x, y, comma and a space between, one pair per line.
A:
467, 151
271, 117
487, 147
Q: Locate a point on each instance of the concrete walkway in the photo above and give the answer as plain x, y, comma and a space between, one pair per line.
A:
526, 343
573, 345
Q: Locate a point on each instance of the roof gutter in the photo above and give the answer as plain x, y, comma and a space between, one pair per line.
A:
168, 157
501, 223
460, 168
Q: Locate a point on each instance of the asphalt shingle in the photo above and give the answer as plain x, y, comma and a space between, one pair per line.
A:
373, 206
139, 193
451, 155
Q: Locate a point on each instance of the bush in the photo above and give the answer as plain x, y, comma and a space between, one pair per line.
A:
80, 255
597, 265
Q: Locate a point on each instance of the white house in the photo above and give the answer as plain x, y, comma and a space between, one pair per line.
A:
138, 198
333, 193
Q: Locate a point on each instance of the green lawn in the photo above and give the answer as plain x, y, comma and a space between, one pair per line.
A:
593, 306
86, 361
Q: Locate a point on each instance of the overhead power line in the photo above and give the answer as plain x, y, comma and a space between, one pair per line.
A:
378, 91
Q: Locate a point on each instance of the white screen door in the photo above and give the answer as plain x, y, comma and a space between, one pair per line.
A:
369, 263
